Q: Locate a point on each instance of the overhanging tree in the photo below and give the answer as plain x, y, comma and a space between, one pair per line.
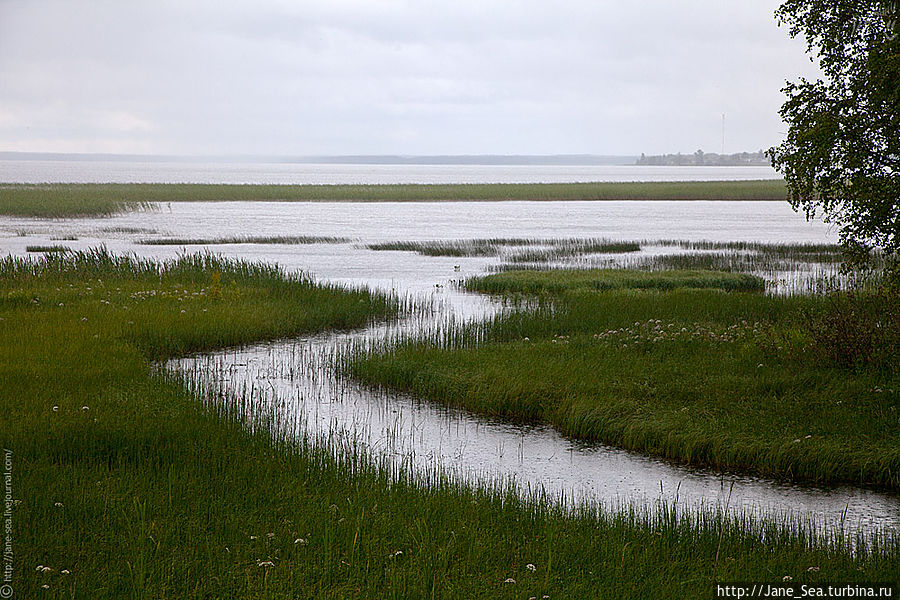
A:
841, 155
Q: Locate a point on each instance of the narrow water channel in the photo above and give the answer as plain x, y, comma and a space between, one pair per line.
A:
295, 380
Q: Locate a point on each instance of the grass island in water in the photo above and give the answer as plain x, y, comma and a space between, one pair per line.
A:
77, 199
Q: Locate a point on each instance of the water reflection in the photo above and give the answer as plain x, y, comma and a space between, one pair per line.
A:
295, 380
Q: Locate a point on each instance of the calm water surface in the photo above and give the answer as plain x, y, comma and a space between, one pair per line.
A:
35, 171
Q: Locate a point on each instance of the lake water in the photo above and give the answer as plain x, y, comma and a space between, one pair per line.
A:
68, 171
294, 376
364, 223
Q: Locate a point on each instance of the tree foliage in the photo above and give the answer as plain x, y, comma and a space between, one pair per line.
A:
841, 155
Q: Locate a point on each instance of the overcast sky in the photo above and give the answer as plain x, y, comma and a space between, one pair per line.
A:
392, 77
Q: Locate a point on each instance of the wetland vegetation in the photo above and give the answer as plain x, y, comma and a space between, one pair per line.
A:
688, 365
128, 486
73, 200
541, 249
245, 239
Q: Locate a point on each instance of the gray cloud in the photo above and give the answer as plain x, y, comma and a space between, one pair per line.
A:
345, 76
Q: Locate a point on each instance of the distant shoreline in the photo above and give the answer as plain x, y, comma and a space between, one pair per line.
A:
352, 159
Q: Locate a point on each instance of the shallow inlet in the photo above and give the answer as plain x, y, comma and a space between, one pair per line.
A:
295, 381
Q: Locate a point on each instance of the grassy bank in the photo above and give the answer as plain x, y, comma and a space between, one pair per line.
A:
535, 282
128, 487
69, 200
725, 380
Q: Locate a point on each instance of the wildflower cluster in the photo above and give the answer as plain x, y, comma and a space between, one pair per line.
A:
656, 331
178, 294
47, 581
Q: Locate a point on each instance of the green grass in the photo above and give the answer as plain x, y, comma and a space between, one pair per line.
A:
245, 239
784, 265
538, 249
783, 250
760, 251
69, 200
53, 248
722, 380
139, 490
572, 249
536, 281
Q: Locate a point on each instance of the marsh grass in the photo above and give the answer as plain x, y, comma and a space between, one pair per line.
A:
139, 489
787, 268
723, 380
799, 268
571, 249
531, 281
811, 252
127, 230
245, 239
52, 248
60, 200
511, 249
443, 248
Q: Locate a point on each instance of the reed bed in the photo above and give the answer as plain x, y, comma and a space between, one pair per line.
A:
128, 230
537, 281
61, 200
806, 251
538, 249
784, 266
246, 239
800, 268
572, 249
127, 485
51, 248
442, 248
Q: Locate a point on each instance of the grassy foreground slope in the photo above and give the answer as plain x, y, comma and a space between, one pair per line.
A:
125, 486
725, 380
70, 200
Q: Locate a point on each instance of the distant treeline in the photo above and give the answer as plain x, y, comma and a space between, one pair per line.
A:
708, 159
